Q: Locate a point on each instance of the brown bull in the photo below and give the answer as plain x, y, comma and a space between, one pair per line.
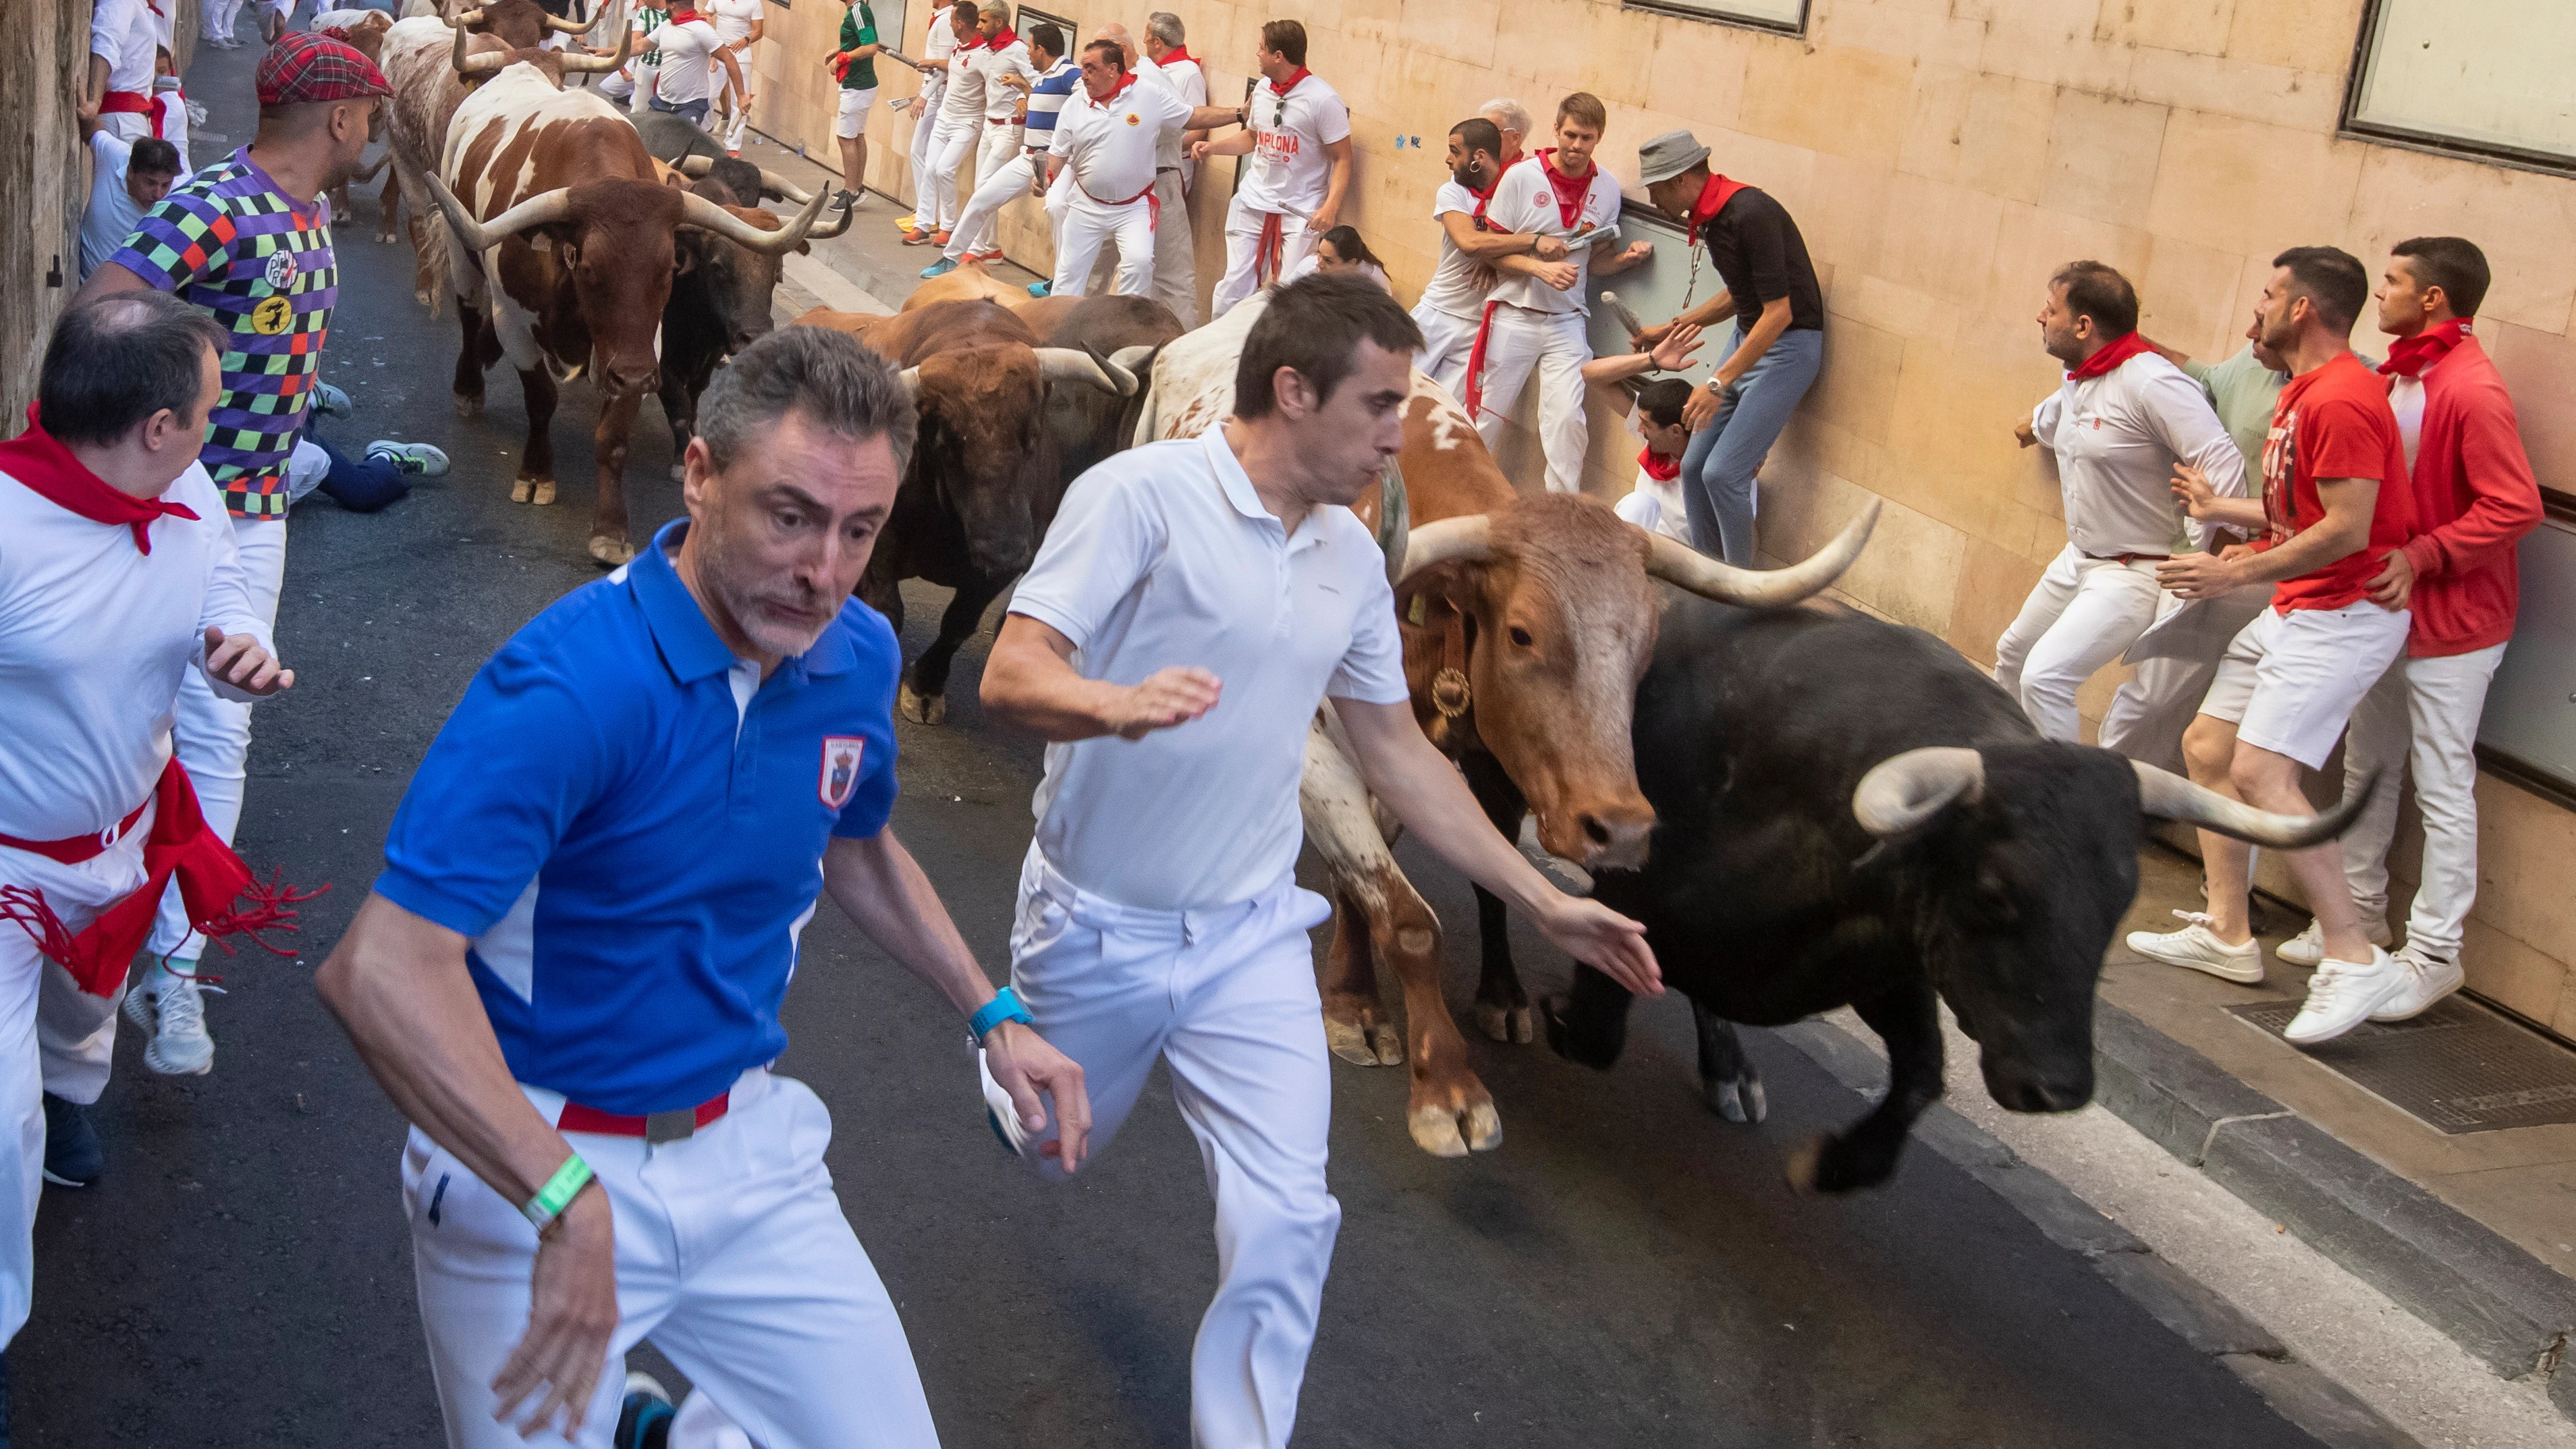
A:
984, 481
518, 24
563, 256
968, 283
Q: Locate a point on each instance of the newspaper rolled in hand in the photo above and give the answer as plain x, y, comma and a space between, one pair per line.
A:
890, 53
1619, 310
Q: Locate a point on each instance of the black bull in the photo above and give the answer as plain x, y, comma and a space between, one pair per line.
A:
1767, 901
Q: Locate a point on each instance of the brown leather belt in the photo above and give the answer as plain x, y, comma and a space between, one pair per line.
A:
2122, 558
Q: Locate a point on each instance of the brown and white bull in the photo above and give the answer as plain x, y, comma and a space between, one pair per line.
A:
564, 239
1527, 622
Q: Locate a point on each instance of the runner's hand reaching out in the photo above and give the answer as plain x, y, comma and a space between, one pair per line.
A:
237, 660
1166, 698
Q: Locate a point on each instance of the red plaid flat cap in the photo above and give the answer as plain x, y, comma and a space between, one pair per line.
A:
310, 66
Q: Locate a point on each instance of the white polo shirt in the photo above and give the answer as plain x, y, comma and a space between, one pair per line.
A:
690, 71
1163, 557
121, 33
1290, 172
1190, 84
1456, 286
965, 101
1524, 201
1001, 103
1111, 147
2116, 439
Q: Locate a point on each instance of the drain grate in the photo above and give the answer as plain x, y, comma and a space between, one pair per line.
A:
2457, 1068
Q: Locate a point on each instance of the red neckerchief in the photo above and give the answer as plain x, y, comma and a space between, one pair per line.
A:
2409, 356
1662, 470
1124, 81
1712, 199
1003, 41
1484, 198
1178, 54
684, 15
2109, 355
1281, 90
38, 460
964, 46
1570, 190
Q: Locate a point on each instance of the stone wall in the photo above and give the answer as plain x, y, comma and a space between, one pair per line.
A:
1942, 158
44, 46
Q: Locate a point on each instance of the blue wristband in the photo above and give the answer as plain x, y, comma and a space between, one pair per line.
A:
1005, 1006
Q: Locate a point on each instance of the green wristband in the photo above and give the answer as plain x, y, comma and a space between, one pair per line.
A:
558, 1192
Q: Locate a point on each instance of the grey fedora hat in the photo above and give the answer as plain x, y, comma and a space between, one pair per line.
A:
1668, 156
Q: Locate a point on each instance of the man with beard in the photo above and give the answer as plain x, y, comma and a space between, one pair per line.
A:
1454, 305
569, 975
246, 241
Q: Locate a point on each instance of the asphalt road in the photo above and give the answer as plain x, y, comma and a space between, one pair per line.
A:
1627, 1270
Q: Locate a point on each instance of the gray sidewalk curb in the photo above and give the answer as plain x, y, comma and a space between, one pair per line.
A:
2495, 1300
2298, 1392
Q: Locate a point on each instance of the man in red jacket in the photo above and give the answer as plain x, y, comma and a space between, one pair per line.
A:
2474, 500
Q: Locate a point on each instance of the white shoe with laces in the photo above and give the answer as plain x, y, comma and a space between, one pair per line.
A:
2309, 946
2428, 980
2197, 947
2343, 994
176, 1006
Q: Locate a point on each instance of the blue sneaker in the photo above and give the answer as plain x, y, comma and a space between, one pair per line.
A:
1039, 289
416, 460
644, 1419
939, 268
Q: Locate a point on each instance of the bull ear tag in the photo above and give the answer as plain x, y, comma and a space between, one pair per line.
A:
540, 242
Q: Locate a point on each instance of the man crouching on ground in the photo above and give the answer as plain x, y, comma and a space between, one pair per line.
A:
569, 975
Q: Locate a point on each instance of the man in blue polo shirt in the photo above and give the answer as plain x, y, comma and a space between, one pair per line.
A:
569, 975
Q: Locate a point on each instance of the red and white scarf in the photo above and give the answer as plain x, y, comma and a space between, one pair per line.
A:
2109, 355
1659, 467
2409, 356
37, 459
1571, 191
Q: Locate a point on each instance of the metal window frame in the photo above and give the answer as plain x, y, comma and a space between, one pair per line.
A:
1706, 10
2351, 126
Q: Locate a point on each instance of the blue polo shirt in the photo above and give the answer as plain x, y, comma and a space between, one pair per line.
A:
628, 824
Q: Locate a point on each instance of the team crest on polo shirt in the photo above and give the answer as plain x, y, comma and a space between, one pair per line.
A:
1132, 119
281, 269
840, 774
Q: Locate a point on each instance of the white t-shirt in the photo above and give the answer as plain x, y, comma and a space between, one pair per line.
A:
734, 17
122, 33
1111, 148
1190, 84
95, 635
1525, 202
2406, 399
1455, 288
1289, 172
690, 71
1001, 103
112, 211
965, 101
1655, 505
1164, 557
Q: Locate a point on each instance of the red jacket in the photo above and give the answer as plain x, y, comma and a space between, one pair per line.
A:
2474, 500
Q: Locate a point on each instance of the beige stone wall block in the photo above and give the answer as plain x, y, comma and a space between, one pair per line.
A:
1698, 69
2564, 1023
2312, 35
1922, 33
1845, 102
1857, 388
2524, 843
2540, 370
2102, 157
2307, 100
2030, 245
2513, 974
1534, 38
1936, 121
1904, 311
1993, 582
2188, 299
2055, 42
2003, 149
2523, 221
2242, 186
1951, 431
2197, 26
1843, 215
1909, 572
1788, 172
1944, 237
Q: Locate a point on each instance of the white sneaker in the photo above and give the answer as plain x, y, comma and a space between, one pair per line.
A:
2309, 946
2428, 980
2343, 994
180, 1046
2198, 947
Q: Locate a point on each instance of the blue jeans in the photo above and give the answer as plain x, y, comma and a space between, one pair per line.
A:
1719, 464
361, 485
694, 111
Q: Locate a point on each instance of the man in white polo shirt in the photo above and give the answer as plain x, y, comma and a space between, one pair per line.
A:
1452, 308
960, 126
1176, 242
1539, 323
1043, 94
691, 51
2118, 424
1005, 63
1106, 137
1193, 605
1298, 133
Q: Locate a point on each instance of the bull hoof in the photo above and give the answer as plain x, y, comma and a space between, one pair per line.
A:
1804, 1164
930, 711
466, 407
1515, 1024
1365, 1042
518, 490
607, 552
1737, 1099
543, 493
1445, 1131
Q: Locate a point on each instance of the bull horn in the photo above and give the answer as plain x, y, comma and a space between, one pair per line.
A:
575, 64
786, 190
1073, 364
481, 236
1135, 359
474, 65
910, 377
1902, 791
1678, 564
1470, 538
571, 27
835, 227
2169, 796
696, 210
464, 18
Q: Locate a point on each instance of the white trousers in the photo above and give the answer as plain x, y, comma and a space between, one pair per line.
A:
948, 147
1088, 227
995, 188
995, 152
733, 1257
2083, 614
2149, 712
129, 126
76, 893
2422, 717
1226, 1000
1556, 346
1243, 254
1176, 263
925, 126
1448, 340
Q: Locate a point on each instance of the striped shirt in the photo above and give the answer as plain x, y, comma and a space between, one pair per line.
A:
1047, 95
232, 244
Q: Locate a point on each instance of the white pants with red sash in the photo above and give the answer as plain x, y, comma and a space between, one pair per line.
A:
1089, 225
1555, 345
1260, 248
1447, 341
